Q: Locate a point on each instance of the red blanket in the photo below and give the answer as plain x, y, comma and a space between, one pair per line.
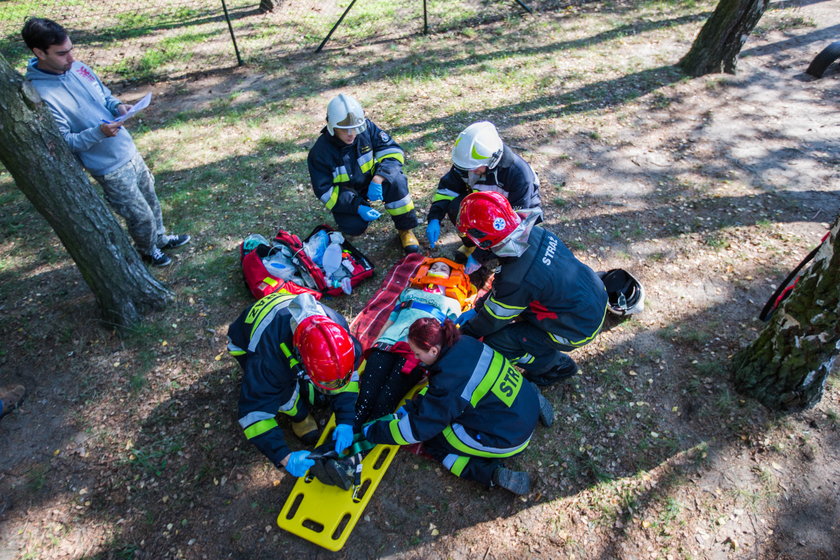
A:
369, 321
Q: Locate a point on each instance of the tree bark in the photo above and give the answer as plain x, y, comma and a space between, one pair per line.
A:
717, 45
44, 168
787, 366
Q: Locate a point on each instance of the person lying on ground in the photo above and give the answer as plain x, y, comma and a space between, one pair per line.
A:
388, 375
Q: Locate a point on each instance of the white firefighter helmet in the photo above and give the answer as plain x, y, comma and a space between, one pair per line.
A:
345, 112
477, 145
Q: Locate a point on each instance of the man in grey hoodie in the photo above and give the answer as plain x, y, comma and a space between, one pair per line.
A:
83, 109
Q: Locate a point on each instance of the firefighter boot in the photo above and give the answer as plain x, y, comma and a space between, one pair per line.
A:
463, 253
306, 430
518, 482
546, 411
565, 369
409, 241
10, 398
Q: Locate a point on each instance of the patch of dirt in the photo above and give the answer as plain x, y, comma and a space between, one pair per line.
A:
709, 190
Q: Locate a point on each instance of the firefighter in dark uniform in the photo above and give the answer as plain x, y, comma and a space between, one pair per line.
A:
544, 301
476, 410
353, 163
294, 350
481, 162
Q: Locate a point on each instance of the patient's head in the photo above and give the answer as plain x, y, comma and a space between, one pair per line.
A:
439, 269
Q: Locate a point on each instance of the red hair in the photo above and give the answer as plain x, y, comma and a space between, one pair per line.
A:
427, 333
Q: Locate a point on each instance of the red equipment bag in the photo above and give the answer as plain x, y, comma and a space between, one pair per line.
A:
259, 280
351, 257
302, 275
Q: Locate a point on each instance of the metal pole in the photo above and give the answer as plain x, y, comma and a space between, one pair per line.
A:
527, 9
327, 38
425, 20
232, 36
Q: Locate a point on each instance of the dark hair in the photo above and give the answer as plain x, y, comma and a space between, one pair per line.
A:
42, 33
426, 333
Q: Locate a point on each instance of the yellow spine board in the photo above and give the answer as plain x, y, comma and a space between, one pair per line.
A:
326, 515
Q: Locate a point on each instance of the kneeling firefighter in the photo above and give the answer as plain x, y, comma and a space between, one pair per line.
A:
354, 163
544, 301
295, 352
476, 410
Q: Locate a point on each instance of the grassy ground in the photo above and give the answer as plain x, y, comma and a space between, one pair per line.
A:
709, 190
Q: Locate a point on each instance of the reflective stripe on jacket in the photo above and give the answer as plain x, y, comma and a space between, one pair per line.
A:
340, 173
548, 287
479, 402
512, 177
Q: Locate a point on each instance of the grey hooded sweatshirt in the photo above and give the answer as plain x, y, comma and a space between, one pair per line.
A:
79, 102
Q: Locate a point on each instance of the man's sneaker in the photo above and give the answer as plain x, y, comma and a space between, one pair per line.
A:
518, 482
546, 411
409, 241
172, 241
564, 370
11, 396
157, 258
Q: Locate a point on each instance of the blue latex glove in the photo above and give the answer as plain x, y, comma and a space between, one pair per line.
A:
465, 316
343, 437
374, 191
433, 232
471, 265
298, 463
368, 214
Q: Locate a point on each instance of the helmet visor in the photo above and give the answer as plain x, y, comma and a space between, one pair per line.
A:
333, 385
516, 243
353, 129
353, 123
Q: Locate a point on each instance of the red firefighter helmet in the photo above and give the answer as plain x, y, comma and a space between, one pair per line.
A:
487, 218
326, 351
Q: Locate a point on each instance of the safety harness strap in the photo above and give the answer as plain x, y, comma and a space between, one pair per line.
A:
430, 309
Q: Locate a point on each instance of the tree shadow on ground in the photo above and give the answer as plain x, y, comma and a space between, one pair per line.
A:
185, 473
446, 60
177, 455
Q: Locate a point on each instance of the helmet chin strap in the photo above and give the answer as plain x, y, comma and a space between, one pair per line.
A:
496, 158
516, 243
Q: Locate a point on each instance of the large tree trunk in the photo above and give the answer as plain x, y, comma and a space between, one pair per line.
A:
717, 45
44, 168
787, 366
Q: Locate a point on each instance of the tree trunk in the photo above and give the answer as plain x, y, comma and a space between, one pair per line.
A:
717, 45
44, 168
787, 366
